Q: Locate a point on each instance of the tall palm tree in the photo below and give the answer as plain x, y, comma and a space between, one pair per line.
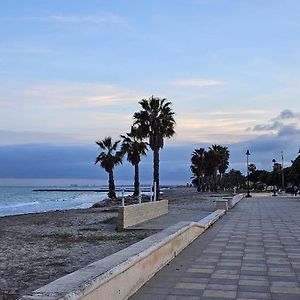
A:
134, 146
197, 167
108, 158
156, 122
220, 161
210, 167
224, 161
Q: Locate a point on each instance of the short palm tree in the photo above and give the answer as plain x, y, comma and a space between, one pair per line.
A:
108, 158
134, 146
156, 122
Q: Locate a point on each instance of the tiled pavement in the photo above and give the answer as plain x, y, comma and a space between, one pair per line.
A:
251, 253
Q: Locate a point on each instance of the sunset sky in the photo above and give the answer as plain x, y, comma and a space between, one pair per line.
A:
72, 72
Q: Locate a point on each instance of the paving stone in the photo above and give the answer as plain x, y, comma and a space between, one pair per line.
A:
253, 282
200, 270
284, 284
190, 285
194, 279
253, 288
254, 295
181, 297
257, 278
224, 276
220, 294
224, 287
285, 290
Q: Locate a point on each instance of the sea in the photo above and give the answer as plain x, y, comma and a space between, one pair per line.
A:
16, 200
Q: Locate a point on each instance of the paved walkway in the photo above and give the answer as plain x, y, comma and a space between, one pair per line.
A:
251, 253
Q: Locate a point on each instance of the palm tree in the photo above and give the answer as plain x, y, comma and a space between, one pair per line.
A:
197, 167
134, 147
156, 122
210, 168
108, 158
220, 161
224, 161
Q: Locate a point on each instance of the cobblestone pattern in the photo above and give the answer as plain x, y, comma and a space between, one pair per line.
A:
251, 253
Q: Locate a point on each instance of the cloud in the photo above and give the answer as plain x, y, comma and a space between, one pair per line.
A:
44, 161
98, 19
240, 113
76, 161
267, 127
9, 137
81, 95
287, 114
286, 122
195, 82
225, 127
24, 48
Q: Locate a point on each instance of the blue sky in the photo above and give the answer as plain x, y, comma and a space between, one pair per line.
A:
72, 72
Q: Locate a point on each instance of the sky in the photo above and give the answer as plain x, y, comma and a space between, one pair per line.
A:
72, 72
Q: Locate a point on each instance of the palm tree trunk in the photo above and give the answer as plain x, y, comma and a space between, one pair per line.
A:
199, 184
111, 185
136, 180
156, 170
215, 180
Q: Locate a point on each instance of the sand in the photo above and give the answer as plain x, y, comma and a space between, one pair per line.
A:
38, 248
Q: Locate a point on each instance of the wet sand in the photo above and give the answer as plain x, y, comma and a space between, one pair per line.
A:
38, 248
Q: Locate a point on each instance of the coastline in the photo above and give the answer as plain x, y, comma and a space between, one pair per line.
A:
38, 248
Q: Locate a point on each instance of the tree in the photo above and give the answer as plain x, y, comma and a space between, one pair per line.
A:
224, 161
219, 156
210, 168
197, 167
134, 147
108, 158
295, 171
234, 179
156, 122
252, 168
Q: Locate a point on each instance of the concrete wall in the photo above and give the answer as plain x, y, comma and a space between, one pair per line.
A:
120, 275
236, 199
134, 214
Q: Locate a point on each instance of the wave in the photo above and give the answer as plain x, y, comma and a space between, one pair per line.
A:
17, 205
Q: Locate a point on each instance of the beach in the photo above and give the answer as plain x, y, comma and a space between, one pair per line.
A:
41, 247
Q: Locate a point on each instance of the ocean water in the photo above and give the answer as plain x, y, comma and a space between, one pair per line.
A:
22, 200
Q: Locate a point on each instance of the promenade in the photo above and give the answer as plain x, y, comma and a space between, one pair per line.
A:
253, 252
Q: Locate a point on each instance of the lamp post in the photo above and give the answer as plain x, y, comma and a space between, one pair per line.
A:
248, 187
274, 188
282, 173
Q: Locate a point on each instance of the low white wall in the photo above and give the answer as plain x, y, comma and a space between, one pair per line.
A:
236, 199
222, 204
137, 213
120, 275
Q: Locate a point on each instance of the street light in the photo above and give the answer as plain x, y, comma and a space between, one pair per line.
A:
274, 188
248, 187
282, 172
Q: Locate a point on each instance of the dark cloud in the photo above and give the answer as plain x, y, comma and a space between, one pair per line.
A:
265, 127
287, 114
9, 137
285, 121
77, 162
